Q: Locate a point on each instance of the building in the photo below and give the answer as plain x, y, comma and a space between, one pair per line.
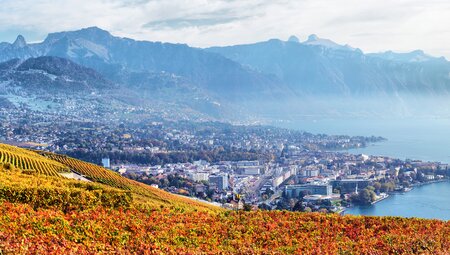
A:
284, 173
199, 176
293, 191
249, 170
155, 170
106, 162
247, 163
429, 177
220, 180
309, 172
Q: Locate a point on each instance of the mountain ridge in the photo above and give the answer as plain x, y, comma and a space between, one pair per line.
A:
98, 49
329, 68
273, 76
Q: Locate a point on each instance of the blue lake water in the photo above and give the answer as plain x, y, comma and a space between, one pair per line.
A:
430, 201
423, 139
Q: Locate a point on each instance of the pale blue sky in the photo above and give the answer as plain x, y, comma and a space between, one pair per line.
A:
372, 25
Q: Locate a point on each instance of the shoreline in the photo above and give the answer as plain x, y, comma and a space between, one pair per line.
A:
342, 212
355, 151
381, 198
430, 182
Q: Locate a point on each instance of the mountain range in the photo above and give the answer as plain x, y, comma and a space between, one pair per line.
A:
264, 78
322, 67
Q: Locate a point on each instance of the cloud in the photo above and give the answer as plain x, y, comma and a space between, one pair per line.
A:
203, 18
183, 23
372, 25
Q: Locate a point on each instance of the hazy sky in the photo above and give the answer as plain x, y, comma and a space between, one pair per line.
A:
372, 25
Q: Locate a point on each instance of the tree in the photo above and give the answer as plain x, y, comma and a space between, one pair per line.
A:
283, 205
298, 207
387, 186
292, 203
365, 196
265, 207
377, 186
326, 202
247, 207
269, 192
323, 210
303, 193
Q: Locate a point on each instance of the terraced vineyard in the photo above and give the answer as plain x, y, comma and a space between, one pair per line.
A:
143, 193
42, 191
17, 160
91, 171
29, 160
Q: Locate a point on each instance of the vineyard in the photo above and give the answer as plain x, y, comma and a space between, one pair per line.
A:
43, 213
31, 161
143, 194
58, 193
42, 164
166, 231
93, 172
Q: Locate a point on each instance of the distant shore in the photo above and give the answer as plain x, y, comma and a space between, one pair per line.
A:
430, 182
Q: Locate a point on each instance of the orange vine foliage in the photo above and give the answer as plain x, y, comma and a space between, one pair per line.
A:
58, 193
41, 164
42, 214
29, 160
167, 231
144, 194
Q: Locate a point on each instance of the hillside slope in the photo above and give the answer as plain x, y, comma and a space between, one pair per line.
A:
44, 213
48, 168
50, 75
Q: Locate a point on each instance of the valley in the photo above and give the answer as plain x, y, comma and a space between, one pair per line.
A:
115, 145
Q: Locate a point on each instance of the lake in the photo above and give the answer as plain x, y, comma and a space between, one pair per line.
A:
423, 139
430, 201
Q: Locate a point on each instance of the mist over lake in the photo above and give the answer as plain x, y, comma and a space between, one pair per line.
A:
426, 139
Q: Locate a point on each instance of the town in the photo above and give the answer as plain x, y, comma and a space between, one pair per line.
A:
299, 180
234, 166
